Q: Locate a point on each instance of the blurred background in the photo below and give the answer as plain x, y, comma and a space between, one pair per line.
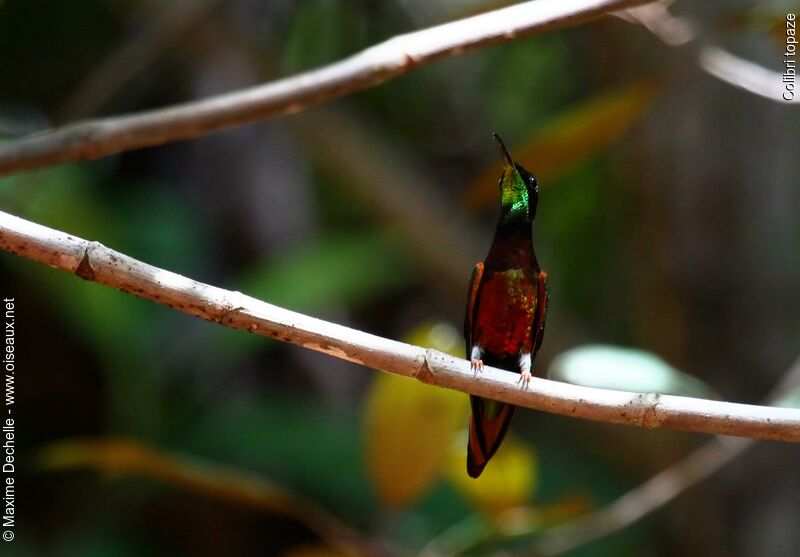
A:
667, 222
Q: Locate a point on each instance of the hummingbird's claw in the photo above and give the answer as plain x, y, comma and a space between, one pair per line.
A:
477, 366
524, 378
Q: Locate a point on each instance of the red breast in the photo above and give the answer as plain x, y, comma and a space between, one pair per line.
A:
506, 308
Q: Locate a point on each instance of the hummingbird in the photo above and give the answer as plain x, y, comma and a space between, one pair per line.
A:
506, 308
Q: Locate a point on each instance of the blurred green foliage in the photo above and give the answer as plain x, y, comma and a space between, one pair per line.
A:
254, 210
327, 273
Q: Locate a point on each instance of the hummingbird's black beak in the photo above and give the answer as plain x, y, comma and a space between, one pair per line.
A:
507, 162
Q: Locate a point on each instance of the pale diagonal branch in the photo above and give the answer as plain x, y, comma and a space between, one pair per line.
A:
95, 262
656, 492
368, 68
640, 501
135, 54
683, 34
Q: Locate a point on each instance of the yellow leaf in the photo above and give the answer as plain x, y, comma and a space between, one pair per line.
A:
409, 426
575, 135
507, 481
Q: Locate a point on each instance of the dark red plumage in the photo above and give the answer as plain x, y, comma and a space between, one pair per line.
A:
506, 309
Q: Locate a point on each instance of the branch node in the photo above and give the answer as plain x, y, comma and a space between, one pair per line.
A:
85, 140
424, 372
227, 317
651, 417
408, 62
85, 270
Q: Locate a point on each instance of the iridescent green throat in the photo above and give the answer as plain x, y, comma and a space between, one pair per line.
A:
514, 196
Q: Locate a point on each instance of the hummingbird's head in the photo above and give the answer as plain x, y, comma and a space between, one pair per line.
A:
519, 192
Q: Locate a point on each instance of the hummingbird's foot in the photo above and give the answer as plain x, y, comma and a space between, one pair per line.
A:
524, 378
477, 366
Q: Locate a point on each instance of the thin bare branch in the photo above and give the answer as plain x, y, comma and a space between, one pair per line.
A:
641, 501
95, 262
656, 492
130, 58
368, 68
684, 34
741, 73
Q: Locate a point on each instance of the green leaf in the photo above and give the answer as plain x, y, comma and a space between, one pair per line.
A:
321, 31
610, 367
333, 271
295, 440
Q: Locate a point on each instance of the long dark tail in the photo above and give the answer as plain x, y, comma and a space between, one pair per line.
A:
487, 428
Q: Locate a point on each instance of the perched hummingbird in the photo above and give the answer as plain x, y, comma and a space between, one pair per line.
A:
506, 308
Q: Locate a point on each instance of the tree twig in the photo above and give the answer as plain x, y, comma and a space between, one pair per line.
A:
682, 33
138, 52
642, 500
94, 262
368, 68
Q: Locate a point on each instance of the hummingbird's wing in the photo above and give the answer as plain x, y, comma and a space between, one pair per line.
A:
472, 299
489, 422
542, 299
